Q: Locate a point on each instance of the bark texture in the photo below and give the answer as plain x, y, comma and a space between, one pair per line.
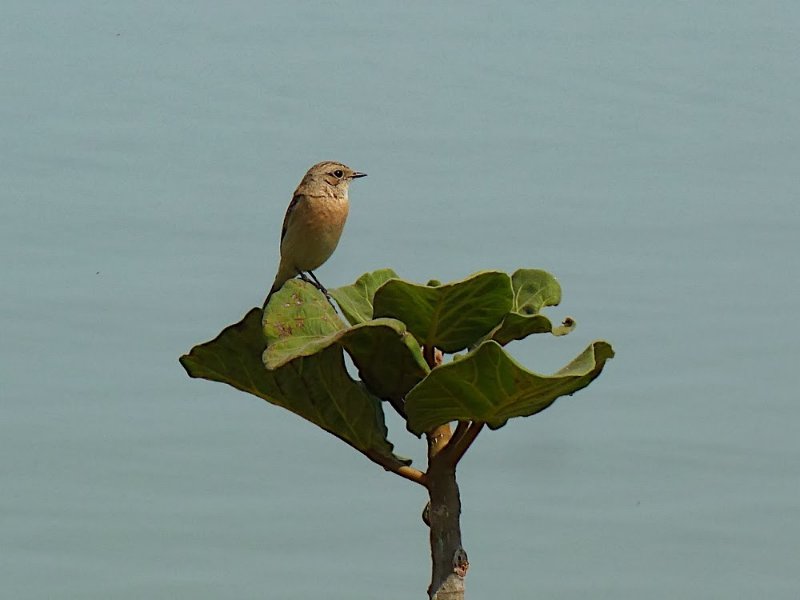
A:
448, 557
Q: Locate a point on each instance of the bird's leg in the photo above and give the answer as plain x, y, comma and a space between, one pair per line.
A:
321, 287
304, 277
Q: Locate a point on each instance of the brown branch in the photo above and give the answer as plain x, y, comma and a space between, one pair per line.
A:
411, 474
395, 466
459, 445
438, 437
428, 355
399, 468
449, 561
461, 429
433, 356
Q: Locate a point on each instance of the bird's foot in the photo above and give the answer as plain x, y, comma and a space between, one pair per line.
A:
320, 287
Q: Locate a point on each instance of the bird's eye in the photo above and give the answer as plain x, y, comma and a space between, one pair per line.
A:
338, 173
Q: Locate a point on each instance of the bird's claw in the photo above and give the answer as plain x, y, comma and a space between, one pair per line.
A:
315, 282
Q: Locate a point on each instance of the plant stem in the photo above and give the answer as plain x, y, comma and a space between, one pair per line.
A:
461, 429
429, 354
438, 439
411, 474
461, 443
395, 466
449, 560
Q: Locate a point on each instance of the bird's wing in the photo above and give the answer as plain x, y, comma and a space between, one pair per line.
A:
289, 211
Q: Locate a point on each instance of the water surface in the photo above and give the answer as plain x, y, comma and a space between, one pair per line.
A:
644, 153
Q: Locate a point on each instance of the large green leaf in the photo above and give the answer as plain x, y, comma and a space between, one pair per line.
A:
300, 322
488, 386
316, 387
533, 290
450, 316
355, 300
296, 321
388, 358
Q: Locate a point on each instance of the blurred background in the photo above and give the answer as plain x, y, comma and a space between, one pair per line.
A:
646, 153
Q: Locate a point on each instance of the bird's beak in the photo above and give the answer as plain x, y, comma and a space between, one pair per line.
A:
356, 175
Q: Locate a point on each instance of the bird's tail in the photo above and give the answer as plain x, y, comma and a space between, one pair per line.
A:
284, 275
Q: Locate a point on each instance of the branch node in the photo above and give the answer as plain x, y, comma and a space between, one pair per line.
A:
459, 444
460, 563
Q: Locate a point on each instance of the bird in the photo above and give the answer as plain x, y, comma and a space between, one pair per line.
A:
314, 222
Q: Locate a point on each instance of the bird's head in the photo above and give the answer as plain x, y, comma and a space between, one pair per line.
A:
334, 175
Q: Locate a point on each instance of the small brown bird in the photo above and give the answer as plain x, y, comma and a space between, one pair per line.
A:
314, 222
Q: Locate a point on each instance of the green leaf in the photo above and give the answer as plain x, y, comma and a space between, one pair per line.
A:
300, 322
488, 386
297, 320
355, 300
518, 327
533, 290
316, 387
388, 358
450, 316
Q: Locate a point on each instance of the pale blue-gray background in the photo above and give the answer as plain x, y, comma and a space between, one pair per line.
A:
647, 153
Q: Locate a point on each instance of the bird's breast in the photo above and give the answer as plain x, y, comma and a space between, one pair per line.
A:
314, 231
323, 218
